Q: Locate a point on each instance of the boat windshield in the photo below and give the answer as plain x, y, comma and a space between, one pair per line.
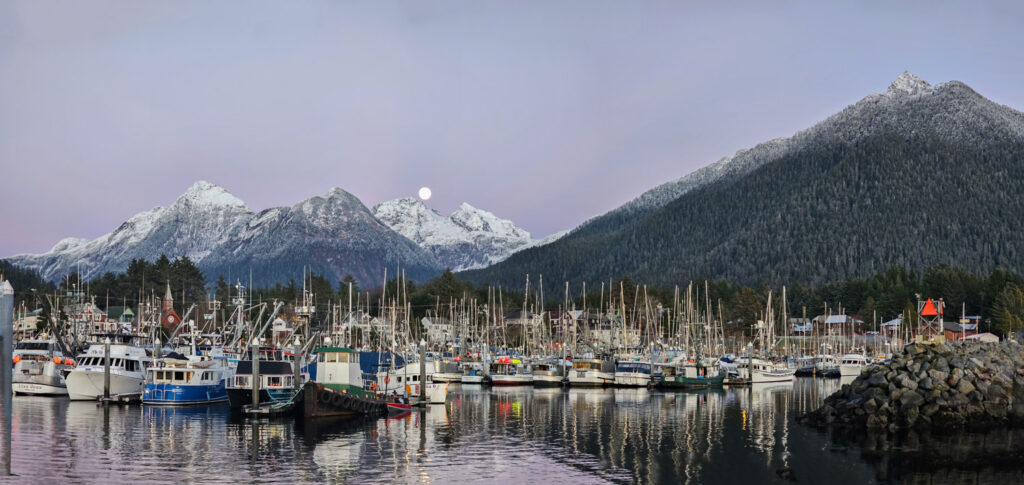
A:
33, 346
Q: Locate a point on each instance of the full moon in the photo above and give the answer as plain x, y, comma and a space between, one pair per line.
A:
424, 193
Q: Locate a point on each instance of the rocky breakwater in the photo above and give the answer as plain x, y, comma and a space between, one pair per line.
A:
931, 386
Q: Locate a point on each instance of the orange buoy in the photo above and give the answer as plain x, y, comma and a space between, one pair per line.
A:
56, 360
17, 358
68, 361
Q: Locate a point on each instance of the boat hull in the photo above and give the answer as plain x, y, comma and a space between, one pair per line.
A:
178, 395
319, 401
446, 377
83, 385
850, 370
472, 379
782, 375
547, 380
239, 398
26, 388
691, 382
39, 385
511, 380
632, 379
590, 378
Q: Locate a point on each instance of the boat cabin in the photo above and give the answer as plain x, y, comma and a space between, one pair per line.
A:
338, 368
182, 376
635, 367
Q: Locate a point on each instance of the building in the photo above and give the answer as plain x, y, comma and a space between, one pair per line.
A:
168, 317
25, 323
959, 331
983, 337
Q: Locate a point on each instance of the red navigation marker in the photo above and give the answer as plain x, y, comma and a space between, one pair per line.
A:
929, 309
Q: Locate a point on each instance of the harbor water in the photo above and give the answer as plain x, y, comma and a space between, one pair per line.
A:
501, 435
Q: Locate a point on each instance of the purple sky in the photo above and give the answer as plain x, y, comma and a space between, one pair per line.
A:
546, 113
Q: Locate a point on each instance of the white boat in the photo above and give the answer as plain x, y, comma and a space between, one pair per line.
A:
850, 365
764, 371
592, 373
472, 373
405, 381
448, 372
128, 364
437, 393
633, 373
39, 368
506, 371
546, 375
826, 363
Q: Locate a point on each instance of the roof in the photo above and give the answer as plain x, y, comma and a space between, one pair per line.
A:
983, 337
895, 322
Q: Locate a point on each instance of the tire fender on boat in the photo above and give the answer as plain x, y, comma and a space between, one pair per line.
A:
337, 400
325, 396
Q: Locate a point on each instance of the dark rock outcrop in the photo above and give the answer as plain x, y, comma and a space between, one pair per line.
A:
941, 385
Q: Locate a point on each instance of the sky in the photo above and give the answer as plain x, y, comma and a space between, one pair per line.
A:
543, 112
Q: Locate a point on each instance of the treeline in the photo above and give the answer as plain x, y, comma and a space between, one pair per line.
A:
822, 214
997, 297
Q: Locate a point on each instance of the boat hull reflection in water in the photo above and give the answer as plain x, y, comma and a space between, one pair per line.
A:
614, 435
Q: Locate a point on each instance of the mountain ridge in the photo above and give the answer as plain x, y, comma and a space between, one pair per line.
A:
933, 120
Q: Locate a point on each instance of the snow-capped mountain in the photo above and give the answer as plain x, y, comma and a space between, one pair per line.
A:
199, 221
335, 234
468, 238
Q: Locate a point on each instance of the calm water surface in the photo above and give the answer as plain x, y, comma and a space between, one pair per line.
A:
524, 435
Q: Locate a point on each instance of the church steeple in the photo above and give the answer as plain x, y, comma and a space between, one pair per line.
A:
168, 302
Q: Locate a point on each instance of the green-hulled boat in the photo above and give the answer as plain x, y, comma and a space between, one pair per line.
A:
689, 376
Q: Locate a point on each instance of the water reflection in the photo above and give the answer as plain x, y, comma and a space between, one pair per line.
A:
746, 435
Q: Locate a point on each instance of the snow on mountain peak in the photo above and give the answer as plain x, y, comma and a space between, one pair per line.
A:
909, 84
468, 238
205, 194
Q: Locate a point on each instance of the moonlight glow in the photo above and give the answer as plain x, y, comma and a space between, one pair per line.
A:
424, 193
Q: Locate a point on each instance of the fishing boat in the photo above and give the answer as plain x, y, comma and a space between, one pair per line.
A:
447, 371
406, 381
276, 379
592, 373
850, 365
635, 372
472, 373
507, 371
689, 375
39, 368
128, 364
177, 380
759, 371
546, 374
342, 387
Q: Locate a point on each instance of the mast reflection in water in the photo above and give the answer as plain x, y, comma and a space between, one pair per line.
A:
481, 435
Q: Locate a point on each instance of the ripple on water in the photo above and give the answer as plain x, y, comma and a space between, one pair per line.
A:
495, 436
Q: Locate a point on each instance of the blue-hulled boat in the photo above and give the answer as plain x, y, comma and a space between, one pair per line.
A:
184, 381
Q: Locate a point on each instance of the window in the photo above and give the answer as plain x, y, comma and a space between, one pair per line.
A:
179, 375
274, 381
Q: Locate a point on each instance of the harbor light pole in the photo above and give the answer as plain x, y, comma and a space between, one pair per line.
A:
6, 332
